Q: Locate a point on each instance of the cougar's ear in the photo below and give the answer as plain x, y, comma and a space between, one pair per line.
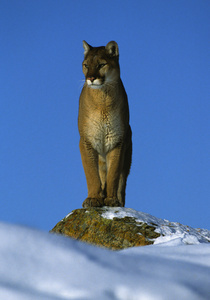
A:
87, 47
112, 48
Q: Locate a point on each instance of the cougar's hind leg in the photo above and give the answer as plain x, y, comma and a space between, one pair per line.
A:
121, 189
102, 174
125, 171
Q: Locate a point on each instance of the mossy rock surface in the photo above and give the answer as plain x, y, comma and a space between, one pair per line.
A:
90, 226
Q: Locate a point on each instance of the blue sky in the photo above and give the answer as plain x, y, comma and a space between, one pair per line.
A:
164, 58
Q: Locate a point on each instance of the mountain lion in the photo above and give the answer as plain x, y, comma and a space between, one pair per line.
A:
105, 133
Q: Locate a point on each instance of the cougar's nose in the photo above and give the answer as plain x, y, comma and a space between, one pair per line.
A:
91, 78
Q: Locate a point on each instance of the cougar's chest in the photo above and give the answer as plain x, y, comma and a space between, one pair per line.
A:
104, 131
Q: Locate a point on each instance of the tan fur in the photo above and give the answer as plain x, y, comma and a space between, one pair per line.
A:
105, 133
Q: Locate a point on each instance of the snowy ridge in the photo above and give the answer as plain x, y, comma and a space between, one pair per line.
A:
35, 265
172, 232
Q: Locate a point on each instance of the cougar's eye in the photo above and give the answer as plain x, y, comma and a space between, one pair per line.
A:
86, 66
101, 66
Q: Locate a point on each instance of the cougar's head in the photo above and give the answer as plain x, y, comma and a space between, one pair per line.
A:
101, 65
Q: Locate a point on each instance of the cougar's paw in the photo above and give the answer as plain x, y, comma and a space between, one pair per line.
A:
93, 202
113, 202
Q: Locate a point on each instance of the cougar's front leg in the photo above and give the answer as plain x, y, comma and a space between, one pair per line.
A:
114, 163
90, 165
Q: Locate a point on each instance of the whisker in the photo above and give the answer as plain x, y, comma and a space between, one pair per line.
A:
81, 83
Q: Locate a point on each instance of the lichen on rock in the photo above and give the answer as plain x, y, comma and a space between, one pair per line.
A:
91, 226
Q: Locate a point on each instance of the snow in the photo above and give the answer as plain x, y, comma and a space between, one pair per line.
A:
172, 232
42, 266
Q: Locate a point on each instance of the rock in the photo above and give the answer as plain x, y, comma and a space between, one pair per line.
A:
92, 226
